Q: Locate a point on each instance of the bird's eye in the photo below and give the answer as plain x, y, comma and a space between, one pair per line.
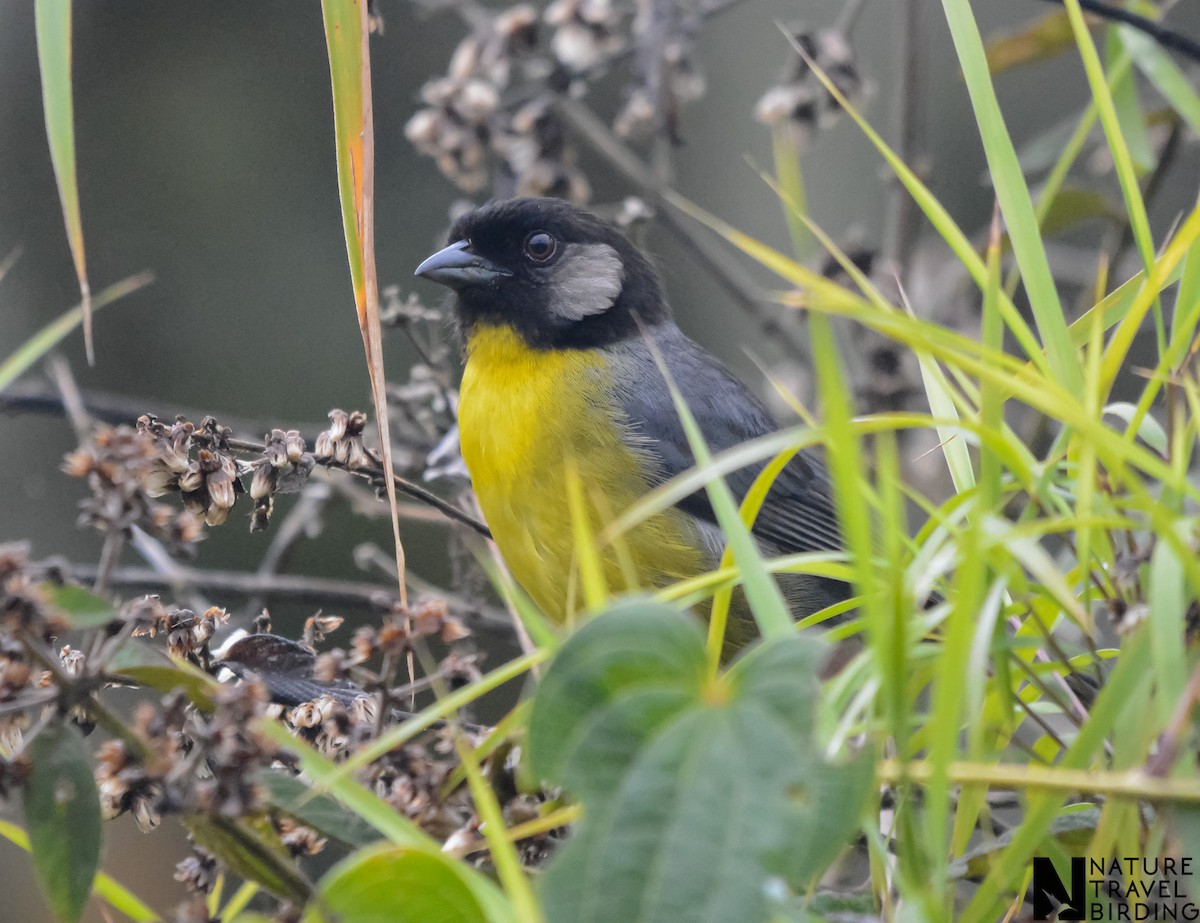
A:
540, 246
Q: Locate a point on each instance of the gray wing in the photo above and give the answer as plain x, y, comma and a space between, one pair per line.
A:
798, 515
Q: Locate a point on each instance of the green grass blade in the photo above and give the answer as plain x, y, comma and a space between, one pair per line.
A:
104, 886
791, 179
1122, 161
346, 38
1013, 195
938, 216
762, 593
1164, 73
495, 832
52, 20
33, 349
330, 778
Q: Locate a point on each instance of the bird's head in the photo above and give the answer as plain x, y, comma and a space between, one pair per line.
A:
556, 275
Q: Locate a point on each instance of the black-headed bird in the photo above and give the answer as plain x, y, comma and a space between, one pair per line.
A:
561, 318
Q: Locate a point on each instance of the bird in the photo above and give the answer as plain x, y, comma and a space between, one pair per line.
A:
563, 324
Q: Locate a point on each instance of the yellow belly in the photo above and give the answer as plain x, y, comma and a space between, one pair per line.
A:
525, 416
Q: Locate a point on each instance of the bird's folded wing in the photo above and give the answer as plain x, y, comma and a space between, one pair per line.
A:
798, 513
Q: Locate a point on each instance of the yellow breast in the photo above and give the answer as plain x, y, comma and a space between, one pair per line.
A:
524, 416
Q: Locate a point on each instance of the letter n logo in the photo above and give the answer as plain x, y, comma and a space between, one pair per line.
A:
1051, 897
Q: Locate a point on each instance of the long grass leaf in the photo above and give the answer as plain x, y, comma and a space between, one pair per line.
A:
937, 214
1013, 194
1139, 220
346, 38
762, 593
52, 21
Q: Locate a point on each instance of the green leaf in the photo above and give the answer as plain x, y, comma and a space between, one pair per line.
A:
52, 20
1012, 193
648, 654
1149, 430
82, 608
152, 667
252, 850
1129, 109
1164, 73
62, 815
1072, 206
397, 884
321, 812
697, 792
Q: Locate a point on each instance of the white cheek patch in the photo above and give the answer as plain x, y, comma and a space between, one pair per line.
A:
587, 280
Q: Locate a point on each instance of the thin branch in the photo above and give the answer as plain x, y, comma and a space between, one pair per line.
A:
417, 493
315, 591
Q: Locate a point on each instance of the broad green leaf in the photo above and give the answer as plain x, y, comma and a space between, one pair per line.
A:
397, 884
82, 608
62, 815
697, 792
53, 24
252, 850
649, 654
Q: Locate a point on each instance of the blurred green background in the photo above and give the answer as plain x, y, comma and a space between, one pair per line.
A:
205, 155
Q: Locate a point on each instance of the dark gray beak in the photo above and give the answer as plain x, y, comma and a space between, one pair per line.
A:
457, 267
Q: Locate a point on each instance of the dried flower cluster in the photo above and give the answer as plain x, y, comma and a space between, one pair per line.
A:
125, 469
800, 103
188, 634
25, 606
493, 120
494, 104
198, 752
343, 441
